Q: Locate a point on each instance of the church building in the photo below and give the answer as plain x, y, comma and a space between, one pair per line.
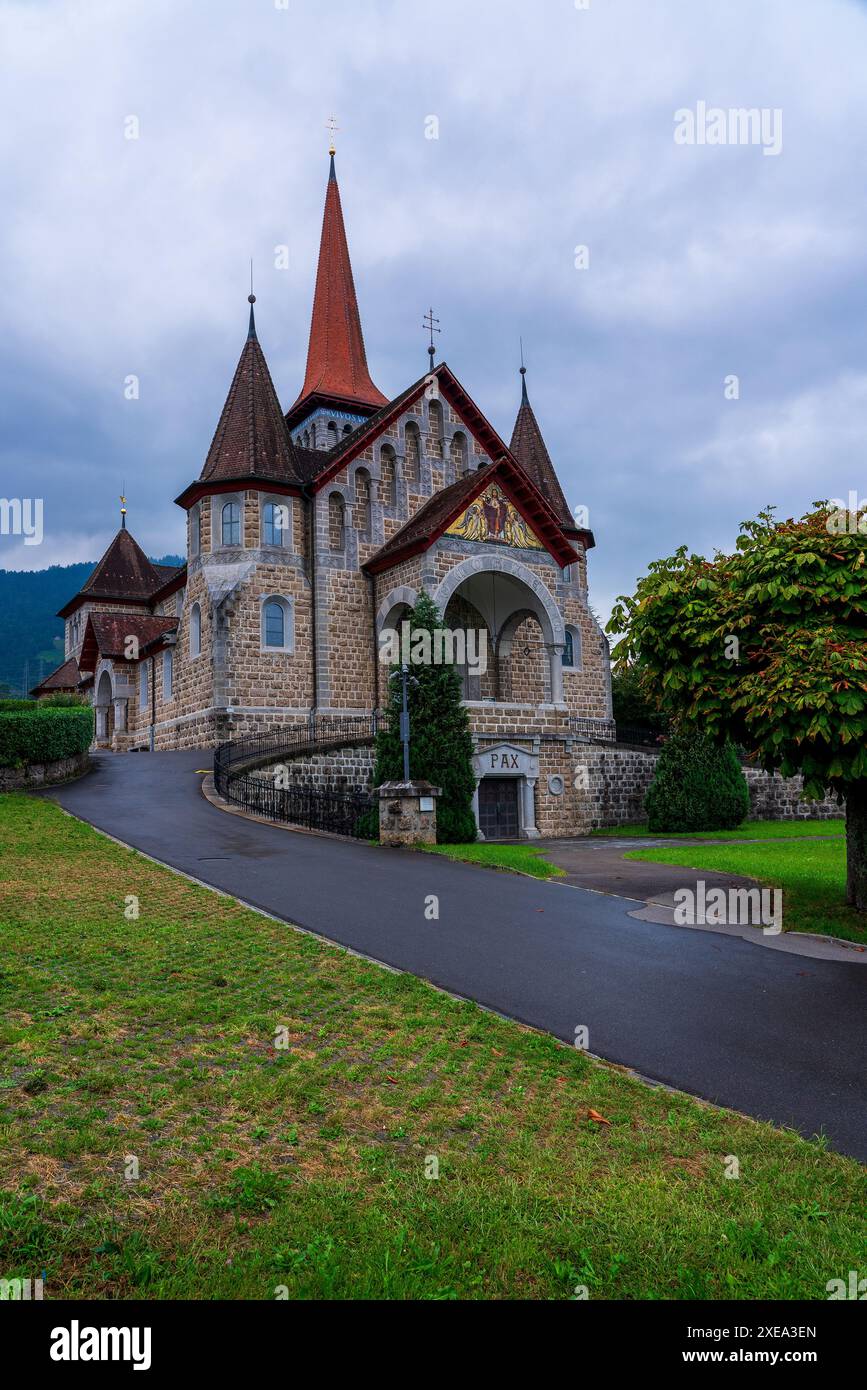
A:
311, 531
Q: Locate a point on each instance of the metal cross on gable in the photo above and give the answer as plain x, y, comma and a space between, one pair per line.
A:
332, 127
429, 322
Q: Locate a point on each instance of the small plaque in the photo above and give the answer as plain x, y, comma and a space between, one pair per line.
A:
425, 803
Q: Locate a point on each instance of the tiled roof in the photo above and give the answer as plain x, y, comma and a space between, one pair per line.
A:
336, 360
437, 514
124, 572
251, 438
65, 677
529, 449
107, 634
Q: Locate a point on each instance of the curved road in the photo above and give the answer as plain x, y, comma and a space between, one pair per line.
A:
779, 1036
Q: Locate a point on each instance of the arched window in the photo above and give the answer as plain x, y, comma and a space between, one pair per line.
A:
362, 501
277, 625
195, 531
413, 452
336, 522
572, 650
347, 429
230, 526
331, 434
168, 673
388, 475
435, 417
195, 630
143, 685
459, 453
275, 522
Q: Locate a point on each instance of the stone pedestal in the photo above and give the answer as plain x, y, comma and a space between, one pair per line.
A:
407, 813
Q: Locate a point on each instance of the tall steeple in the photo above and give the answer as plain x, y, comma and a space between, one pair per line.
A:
337, 373
529, 449
251, 439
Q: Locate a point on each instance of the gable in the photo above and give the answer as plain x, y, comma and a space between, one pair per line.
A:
493, 517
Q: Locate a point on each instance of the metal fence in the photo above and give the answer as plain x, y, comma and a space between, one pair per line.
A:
343, 812
609, 731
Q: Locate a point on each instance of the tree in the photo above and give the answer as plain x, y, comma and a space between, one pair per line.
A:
768, 647
698, 785
634, 703
441, 749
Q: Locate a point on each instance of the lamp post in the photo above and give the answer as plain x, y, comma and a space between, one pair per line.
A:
404, 677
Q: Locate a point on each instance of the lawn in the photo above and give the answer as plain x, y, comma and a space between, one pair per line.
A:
518, 858
811, 873
750, 830
148, 1042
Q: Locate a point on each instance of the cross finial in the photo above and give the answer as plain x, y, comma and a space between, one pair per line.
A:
429, 323
332, 127
123, 509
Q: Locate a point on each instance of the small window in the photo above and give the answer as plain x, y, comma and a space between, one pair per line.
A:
459, 453
179, 602
413, 452
195, 531
231, 524
331, 435
168, 673
143, 685
195, 630
572, 650
277, 626
275, 520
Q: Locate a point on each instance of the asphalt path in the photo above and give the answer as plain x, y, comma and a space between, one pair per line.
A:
777, 1036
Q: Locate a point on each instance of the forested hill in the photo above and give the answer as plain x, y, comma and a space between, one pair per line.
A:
31, 637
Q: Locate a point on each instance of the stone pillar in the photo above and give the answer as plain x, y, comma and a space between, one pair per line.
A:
407, 813
120, 716
529, 793
101, 722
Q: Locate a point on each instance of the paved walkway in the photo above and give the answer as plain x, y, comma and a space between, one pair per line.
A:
761, 1031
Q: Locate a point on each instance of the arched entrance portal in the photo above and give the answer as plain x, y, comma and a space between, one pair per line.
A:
104, 710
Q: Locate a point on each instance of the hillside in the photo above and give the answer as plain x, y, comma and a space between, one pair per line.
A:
31, 637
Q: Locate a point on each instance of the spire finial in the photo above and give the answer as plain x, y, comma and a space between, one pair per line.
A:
332, 127
251, 300
525, 400
123, 508
428, 322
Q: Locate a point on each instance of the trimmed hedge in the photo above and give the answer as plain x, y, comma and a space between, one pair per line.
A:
39, 734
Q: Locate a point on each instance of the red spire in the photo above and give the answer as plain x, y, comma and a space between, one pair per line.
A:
336, 360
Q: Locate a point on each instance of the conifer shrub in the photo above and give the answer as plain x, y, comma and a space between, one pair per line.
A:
699, 785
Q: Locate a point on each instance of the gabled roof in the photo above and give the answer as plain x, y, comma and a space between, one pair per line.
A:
336, 360
529, 449
445, 506
124, 572
107, 634
333, 460
65, 677
251, 439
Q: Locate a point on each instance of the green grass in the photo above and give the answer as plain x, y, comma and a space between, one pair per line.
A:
750, 830
519, 858
811, 873
305, 1166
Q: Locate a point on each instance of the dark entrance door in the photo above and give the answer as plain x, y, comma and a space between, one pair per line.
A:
498, 808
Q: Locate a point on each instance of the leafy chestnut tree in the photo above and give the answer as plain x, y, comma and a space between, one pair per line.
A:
768, 647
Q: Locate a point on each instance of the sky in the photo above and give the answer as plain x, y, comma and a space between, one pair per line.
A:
702, 358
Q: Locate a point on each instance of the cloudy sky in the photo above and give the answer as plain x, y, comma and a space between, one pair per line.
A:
556, 130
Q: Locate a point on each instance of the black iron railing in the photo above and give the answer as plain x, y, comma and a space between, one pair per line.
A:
314, 808
611, 731
341, 811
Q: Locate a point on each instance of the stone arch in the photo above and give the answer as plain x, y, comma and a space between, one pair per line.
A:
543, 603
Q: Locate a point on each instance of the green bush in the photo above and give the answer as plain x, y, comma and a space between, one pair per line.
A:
7, 705
699, 785
37, 734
